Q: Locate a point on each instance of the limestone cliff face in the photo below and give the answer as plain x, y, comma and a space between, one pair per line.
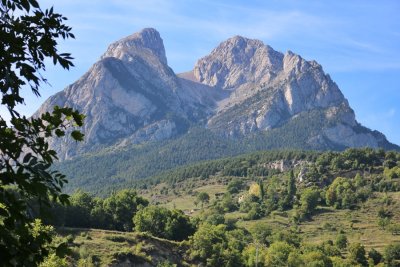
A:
131, 95
269, 88
238, 61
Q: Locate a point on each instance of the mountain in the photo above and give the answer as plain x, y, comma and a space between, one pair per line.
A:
142, 118
270, 89
131, 96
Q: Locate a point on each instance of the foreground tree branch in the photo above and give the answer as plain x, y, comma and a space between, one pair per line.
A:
28, 37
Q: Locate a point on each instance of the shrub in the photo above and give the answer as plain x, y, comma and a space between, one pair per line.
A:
317, 258
392, 253
278, 254
161, 222
54, 261
357, 254
341, 241
375, 256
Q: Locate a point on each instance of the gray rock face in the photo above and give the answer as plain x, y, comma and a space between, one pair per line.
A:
243, 86
156, 131
130, 96
270, 88
146, 43
290, 84
238, 61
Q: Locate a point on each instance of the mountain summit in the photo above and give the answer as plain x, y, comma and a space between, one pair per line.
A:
269, 87
146, 43
242, 89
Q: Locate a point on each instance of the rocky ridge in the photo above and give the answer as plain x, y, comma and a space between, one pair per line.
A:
131, 96
242, 87
270, 88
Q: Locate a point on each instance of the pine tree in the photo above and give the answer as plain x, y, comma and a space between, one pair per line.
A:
291, 187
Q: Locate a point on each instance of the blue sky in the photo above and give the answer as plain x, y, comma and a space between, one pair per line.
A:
356, 42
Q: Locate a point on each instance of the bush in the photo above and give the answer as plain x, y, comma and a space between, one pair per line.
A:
309, 201
375, 256
215, 219
235, 186
341, 241
161, 222
317, 258
115, 238
228, 203
394, 228
203, 197
214, 246
255, 212
254, 255
166, 264
357, 254
54, 261
261, 233
278, 254
341, 194
392, 253
289, 236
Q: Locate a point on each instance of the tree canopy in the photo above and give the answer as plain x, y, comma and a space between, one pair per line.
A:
28, 37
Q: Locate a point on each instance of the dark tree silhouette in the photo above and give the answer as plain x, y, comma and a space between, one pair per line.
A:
28, 37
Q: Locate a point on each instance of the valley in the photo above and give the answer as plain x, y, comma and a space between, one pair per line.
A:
353, 195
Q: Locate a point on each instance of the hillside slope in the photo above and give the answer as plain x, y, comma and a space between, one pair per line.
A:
322, 208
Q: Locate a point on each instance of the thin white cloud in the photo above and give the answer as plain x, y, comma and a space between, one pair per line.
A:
391, 113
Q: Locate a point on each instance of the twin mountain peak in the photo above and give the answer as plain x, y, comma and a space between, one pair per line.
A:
242, 89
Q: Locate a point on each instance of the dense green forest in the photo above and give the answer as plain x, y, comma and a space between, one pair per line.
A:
281, 208
117, 168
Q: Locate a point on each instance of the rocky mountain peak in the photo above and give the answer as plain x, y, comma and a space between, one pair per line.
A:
239, 42
296, 64
146, 43
243, 87
237, 61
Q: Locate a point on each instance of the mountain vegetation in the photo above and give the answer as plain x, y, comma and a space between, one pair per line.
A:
117, 168
282, 208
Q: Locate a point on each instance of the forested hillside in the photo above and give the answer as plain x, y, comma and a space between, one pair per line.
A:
282, 208
118, 167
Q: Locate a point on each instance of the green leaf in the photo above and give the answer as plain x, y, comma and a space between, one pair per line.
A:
3, 212
62, 250
34, 3
77, 135
59, 133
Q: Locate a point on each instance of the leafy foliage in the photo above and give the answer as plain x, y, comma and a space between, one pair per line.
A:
214, 246
270, 208
114, 212
28, 37
357, 254
278, 254
341, 241
341, 193
203, 197
392, 254
309, 201
161, 222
